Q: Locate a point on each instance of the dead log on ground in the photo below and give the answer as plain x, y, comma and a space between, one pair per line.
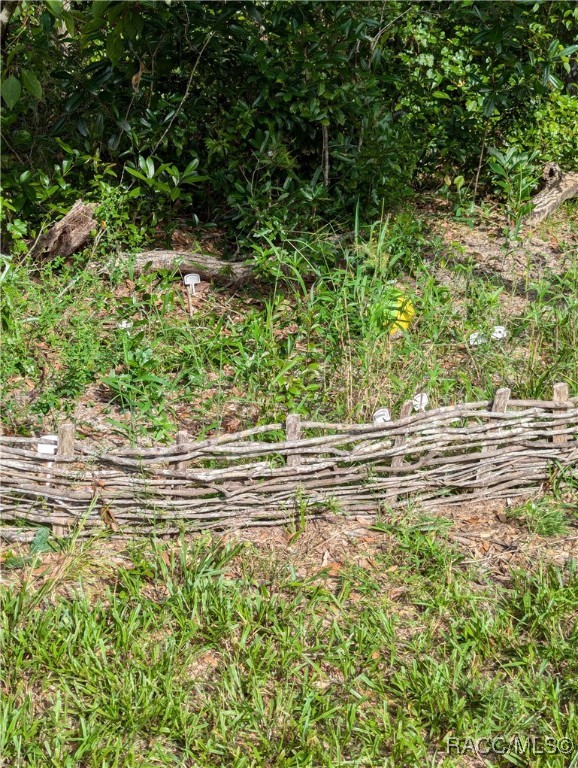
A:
69, 234
559, 188
208, 267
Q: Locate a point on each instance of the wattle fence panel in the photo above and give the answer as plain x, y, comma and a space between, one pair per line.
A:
299, 470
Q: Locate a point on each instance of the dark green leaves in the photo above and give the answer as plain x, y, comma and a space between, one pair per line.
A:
291, 109
32, 84
11, 90
114, 47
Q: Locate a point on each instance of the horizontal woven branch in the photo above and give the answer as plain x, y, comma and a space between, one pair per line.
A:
472, 451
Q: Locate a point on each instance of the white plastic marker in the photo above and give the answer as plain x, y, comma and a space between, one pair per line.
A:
190, 281
476, 339
382, 416
420, 401
124, 324
499, 332
48, 445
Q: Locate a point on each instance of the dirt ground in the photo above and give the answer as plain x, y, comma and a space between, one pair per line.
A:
543, 252
483, 534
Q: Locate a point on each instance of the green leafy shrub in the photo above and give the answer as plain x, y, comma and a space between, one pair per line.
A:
272, 116
515, 175
552, 132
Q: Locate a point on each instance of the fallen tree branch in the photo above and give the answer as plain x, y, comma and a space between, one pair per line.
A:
208, 267
75, 229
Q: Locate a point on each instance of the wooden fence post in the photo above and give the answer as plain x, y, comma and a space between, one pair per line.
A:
500, 405
182, 438
293, 432
65, 449
398, 460
66, 440
501, 398
561, 395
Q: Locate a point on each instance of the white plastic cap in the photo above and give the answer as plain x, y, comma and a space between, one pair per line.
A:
499, 332
47, 444
381, 416
477, 338
420, 401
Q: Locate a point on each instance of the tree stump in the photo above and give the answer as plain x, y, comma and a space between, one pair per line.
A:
559, 187
69, 235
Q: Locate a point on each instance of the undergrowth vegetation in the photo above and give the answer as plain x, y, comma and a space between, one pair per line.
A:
315, 338
283, 130
337, 148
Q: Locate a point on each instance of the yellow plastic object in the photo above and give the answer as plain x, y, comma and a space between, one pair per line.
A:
405, 314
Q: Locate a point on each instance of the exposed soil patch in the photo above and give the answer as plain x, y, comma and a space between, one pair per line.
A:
482, 534
550, 250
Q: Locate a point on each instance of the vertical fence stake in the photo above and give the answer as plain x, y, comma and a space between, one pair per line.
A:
500, 405
65, 449
182, 438
293, 432
66, 440
561, 395
398, 460
501, 398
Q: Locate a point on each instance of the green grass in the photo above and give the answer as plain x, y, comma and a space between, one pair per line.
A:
204, 654
320, 346
544, 517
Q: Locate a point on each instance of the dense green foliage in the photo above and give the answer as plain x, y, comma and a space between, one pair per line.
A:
271, 114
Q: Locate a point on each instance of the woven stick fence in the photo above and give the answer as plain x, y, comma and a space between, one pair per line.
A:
468, 452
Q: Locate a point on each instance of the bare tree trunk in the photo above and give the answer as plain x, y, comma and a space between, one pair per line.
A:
8, 8
61, 28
